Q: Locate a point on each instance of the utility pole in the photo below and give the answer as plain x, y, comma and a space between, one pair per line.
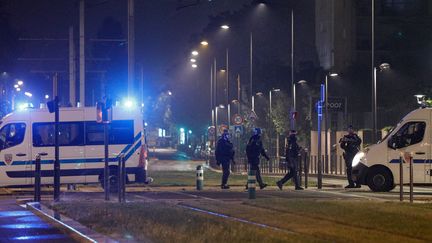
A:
374, 119
131, 47
56, 140
72, 76
82, 70
251, 70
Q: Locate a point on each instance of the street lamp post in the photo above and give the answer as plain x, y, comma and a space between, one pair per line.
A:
326, 120
382, 67
270, 120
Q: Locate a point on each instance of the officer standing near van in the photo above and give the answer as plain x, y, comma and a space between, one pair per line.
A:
350, 143
292, 154
254, 150
224, 155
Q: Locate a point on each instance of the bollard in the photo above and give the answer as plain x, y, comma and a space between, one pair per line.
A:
37, 191
124, 177
411, 179
199, 177
120, 178
400, 179
306, 169
251, 184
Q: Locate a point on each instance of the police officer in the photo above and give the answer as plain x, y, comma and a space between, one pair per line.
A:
351, 144
254, 149
291, 153
224, 155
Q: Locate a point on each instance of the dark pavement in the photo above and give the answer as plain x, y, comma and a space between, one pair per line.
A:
20, 225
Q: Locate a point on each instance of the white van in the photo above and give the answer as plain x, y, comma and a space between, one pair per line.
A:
378, 165
25, 133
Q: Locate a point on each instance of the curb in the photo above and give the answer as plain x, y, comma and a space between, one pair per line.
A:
64, 223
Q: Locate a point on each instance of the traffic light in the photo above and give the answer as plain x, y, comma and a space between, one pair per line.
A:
52, 105
104, 111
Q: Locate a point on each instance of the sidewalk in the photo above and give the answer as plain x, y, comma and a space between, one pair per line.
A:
18, 224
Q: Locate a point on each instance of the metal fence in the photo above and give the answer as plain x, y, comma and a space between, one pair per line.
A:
334, 165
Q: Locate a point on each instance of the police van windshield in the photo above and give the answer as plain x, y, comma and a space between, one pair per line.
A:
390, 131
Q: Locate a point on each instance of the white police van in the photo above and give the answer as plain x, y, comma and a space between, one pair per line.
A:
28, 132
378, 165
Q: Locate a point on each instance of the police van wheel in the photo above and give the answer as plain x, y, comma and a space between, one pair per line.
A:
112, 179
380, 179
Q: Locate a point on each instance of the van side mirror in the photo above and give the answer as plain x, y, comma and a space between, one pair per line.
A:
395, 142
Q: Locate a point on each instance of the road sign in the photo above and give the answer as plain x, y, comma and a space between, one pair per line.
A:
238, 129
237, 119
211, 130
253, 115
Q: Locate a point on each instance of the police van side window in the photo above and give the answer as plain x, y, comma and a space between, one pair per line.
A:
120, 132
412, 133
70, 134
12, 135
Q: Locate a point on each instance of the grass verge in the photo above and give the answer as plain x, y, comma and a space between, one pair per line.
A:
336, 221
163, 222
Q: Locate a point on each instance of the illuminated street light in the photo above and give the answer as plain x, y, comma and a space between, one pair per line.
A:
223, 70
333, 74
221, 106
204, 43
259, 94
302, 82
384, 66
169, 92
28, 94
195, 53
18, 89
20, 82
46, 96
16, 86
225, 27
193, 60
194, 65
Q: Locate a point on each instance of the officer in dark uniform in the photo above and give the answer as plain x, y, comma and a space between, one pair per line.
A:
254, 149
224, 155
351, 144
291, 153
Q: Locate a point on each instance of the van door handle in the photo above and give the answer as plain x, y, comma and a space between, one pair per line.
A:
20, 154
420, 153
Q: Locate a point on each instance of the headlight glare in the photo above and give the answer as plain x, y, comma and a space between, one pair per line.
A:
357, 158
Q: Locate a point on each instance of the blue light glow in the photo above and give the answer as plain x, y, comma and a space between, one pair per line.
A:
26, 226
39, 237
15, 213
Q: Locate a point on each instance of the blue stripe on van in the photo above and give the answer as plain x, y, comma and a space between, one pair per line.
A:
136, 138
416, 161
67, 161
91, 160
133, 150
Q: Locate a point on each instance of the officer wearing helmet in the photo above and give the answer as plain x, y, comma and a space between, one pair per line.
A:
224, 155
254, 150
292, 154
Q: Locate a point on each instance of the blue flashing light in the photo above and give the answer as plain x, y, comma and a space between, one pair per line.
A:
129, 103
23, 106
322, 92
